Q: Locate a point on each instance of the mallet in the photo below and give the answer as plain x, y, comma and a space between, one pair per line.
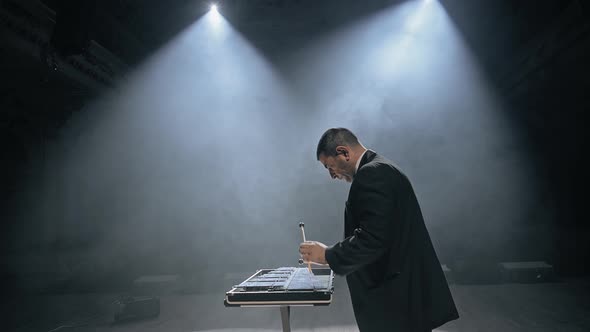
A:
302, 226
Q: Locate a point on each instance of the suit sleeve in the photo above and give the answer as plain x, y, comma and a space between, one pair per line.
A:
373, 202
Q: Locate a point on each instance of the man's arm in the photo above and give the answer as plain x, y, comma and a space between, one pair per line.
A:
373, 204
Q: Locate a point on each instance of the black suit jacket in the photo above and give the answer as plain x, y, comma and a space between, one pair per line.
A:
395, 279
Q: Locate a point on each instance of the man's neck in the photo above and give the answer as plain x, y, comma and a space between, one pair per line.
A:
361, 153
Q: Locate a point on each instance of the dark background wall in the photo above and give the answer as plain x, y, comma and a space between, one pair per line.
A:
164, 165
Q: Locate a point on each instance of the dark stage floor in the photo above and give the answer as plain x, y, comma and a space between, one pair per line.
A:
560, 306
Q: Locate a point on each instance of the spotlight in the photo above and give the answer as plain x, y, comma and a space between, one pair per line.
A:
213, 7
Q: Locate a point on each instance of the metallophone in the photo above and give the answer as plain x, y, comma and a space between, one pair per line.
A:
283, 287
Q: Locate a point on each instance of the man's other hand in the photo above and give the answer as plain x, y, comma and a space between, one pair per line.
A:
313, 252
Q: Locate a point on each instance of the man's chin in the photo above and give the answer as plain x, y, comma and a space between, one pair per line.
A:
345, 178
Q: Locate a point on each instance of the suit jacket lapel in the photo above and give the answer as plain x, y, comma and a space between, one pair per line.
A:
348, 222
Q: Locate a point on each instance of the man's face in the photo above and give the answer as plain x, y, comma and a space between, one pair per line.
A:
338, 166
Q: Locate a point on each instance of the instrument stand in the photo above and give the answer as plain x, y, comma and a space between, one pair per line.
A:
286, 318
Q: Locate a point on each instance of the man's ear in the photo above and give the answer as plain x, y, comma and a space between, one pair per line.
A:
343, 150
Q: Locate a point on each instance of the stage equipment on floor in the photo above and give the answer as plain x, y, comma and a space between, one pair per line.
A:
526, 272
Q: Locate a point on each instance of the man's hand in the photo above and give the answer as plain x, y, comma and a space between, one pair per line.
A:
313, 252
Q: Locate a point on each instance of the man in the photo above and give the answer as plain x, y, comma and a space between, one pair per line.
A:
394, 277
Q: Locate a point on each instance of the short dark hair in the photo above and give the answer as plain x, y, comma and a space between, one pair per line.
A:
333, 138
